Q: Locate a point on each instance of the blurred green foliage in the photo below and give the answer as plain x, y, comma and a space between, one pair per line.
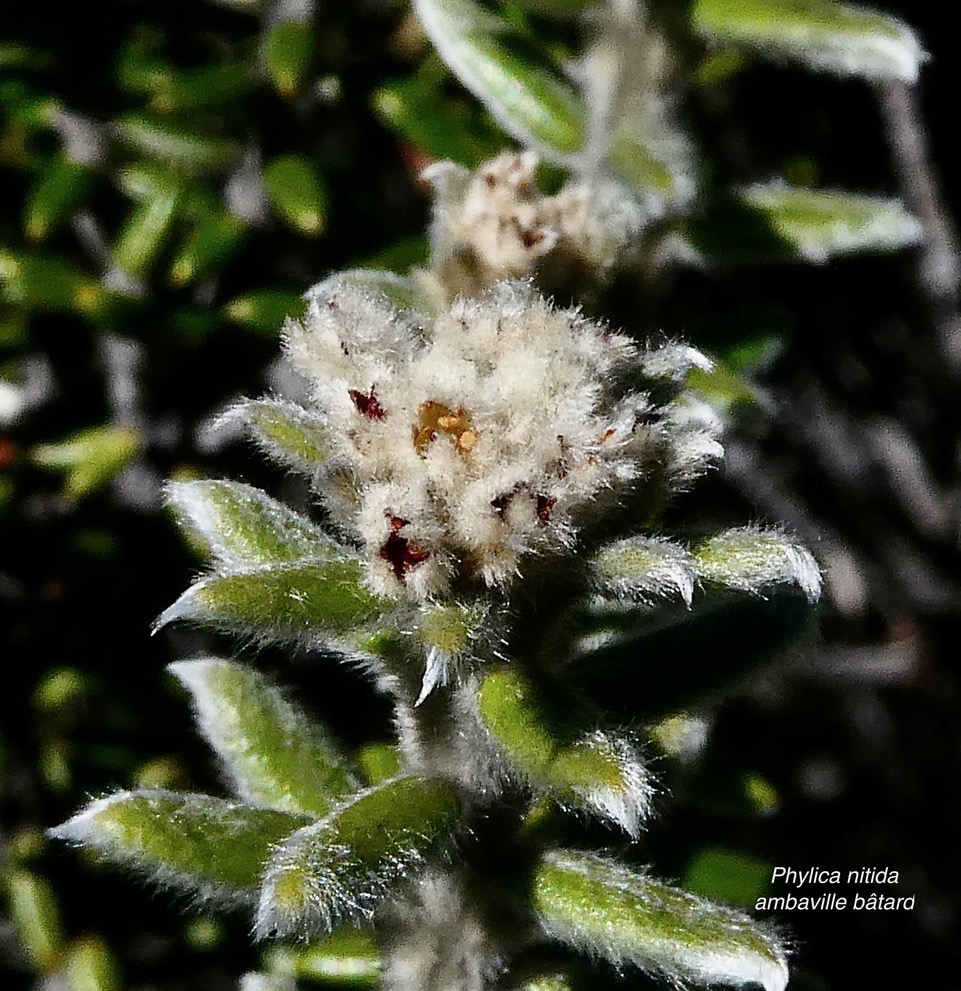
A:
172, 176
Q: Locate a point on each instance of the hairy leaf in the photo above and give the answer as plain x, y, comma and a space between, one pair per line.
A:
300, 600
202, 88
823, 224
285, 432
523, 91
752, 559
254, 980
834, 37
554, 981
378, 762
340, 867
209, 847
644, 568
447, 632
775, 222
271, 753
243, 527
599, 906
556, 8
634, 121
724, 387
551, 744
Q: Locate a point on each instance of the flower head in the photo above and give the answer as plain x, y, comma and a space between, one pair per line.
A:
495, 223
463, 445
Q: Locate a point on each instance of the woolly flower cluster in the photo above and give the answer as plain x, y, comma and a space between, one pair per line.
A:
495, 223
460, 445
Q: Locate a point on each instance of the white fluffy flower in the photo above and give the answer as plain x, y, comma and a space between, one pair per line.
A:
495, 223
461, 447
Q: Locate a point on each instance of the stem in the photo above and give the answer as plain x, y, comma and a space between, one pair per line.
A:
461, 920
939, 266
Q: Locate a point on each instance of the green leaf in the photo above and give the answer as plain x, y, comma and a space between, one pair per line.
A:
209, 847
13, 55
601, 907
90, 966
718, 66
723, 388
348, 957
661, 175
90, 458
14, 326
418, 109
637, 672
288, 54
56, 193
147, 180
309, 601
60, 690
635, 127
297, 192
35, 917
751, 559
194, 321
379, 762
186, 90
53, 763
26, 110
833, 37
447, 632
271, 753
551, 744
644, 567
242, 527
50, 283
141, 68
821, 225
183, 147
341, 867
145, 232
286, 432
210, 245
520, 86
265, 309
777, 222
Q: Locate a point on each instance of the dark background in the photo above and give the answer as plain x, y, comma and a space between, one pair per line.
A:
856, 736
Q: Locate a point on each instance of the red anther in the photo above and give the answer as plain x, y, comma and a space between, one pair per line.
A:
401, 554
545, 508
368, 404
